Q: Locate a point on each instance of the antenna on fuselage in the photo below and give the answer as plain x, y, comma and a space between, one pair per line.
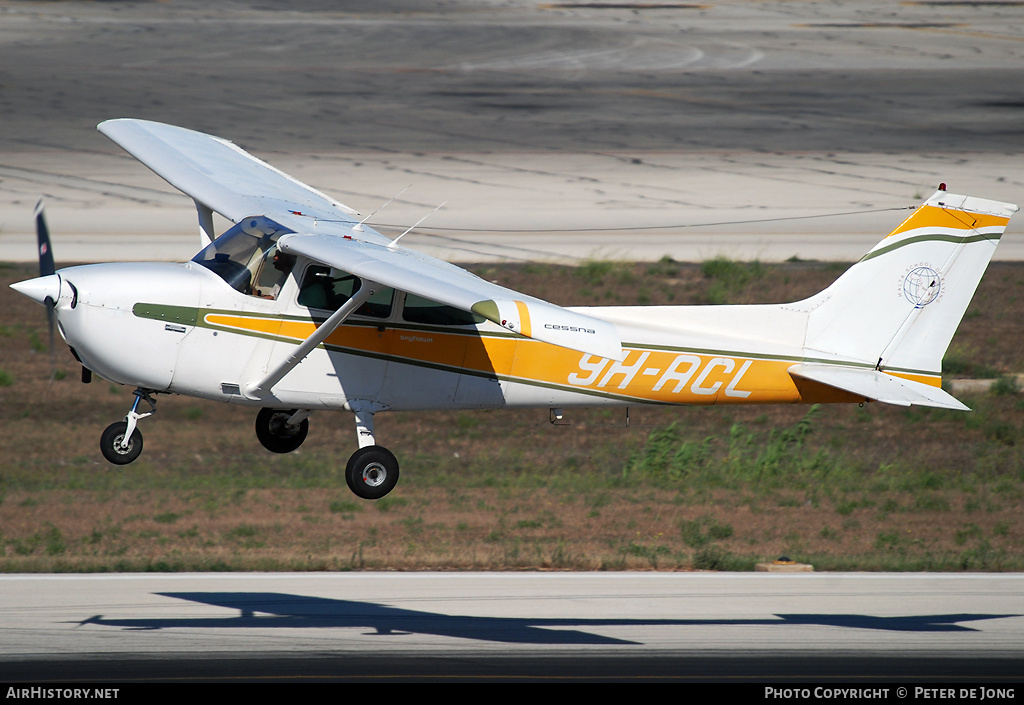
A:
394, 243
358, 227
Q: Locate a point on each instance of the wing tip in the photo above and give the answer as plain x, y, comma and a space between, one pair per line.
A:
488, 309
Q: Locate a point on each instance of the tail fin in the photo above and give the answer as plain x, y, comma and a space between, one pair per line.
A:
897, 308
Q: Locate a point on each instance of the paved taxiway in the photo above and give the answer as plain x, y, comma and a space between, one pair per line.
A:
815, 627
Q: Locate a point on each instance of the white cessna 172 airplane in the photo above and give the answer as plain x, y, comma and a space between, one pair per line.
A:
300, 307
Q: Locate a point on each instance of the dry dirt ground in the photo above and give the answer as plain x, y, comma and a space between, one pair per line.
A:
707, 488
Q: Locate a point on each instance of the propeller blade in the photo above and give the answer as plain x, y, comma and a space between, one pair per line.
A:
46, 264
51, 317
46, 268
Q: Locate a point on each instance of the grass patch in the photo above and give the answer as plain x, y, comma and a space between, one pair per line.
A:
729, 278
698, 533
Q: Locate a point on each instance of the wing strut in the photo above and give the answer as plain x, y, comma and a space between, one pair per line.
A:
206, 232
264, 386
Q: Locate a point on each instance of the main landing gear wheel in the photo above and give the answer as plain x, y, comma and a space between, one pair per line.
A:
275, 434
372, 472
113, 437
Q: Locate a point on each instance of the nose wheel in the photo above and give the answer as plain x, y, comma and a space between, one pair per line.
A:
114, 447
121, 442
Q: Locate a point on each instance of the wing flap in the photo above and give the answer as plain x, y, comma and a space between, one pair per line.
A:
440, 281
879, 386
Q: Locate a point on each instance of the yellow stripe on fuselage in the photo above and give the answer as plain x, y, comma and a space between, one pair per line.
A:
276, 327
645, 375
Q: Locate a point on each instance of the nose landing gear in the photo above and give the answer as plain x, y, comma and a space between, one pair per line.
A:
121, 442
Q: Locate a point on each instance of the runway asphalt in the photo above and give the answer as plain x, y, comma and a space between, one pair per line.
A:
690, 627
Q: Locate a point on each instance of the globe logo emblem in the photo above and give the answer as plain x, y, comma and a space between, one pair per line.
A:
921, 286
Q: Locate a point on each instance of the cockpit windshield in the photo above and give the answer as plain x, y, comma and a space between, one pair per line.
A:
236, 256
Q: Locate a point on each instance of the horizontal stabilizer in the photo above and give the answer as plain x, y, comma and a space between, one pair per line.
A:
879, 386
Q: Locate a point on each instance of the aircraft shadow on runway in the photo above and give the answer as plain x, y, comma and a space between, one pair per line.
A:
273, 610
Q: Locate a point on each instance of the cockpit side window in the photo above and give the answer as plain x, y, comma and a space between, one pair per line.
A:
272, 273
327, 289
237, 255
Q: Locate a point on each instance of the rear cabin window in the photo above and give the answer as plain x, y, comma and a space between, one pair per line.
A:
327, 289
420, 310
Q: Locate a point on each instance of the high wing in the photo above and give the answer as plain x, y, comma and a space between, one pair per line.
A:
224, 178
220, 175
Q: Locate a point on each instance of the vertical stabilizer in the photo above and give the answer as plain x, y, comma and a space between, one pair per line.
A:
898, 307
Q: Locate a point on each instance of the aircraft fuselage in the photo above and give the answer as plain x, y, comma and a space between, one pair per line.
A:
179, 328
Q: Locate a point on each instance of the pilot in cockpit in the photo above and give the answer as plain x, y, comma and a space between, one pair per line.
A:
271, 279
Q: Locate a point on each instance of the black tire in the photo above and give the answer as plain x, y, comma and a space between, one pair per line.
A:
110, 444
275, 434
372, 472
